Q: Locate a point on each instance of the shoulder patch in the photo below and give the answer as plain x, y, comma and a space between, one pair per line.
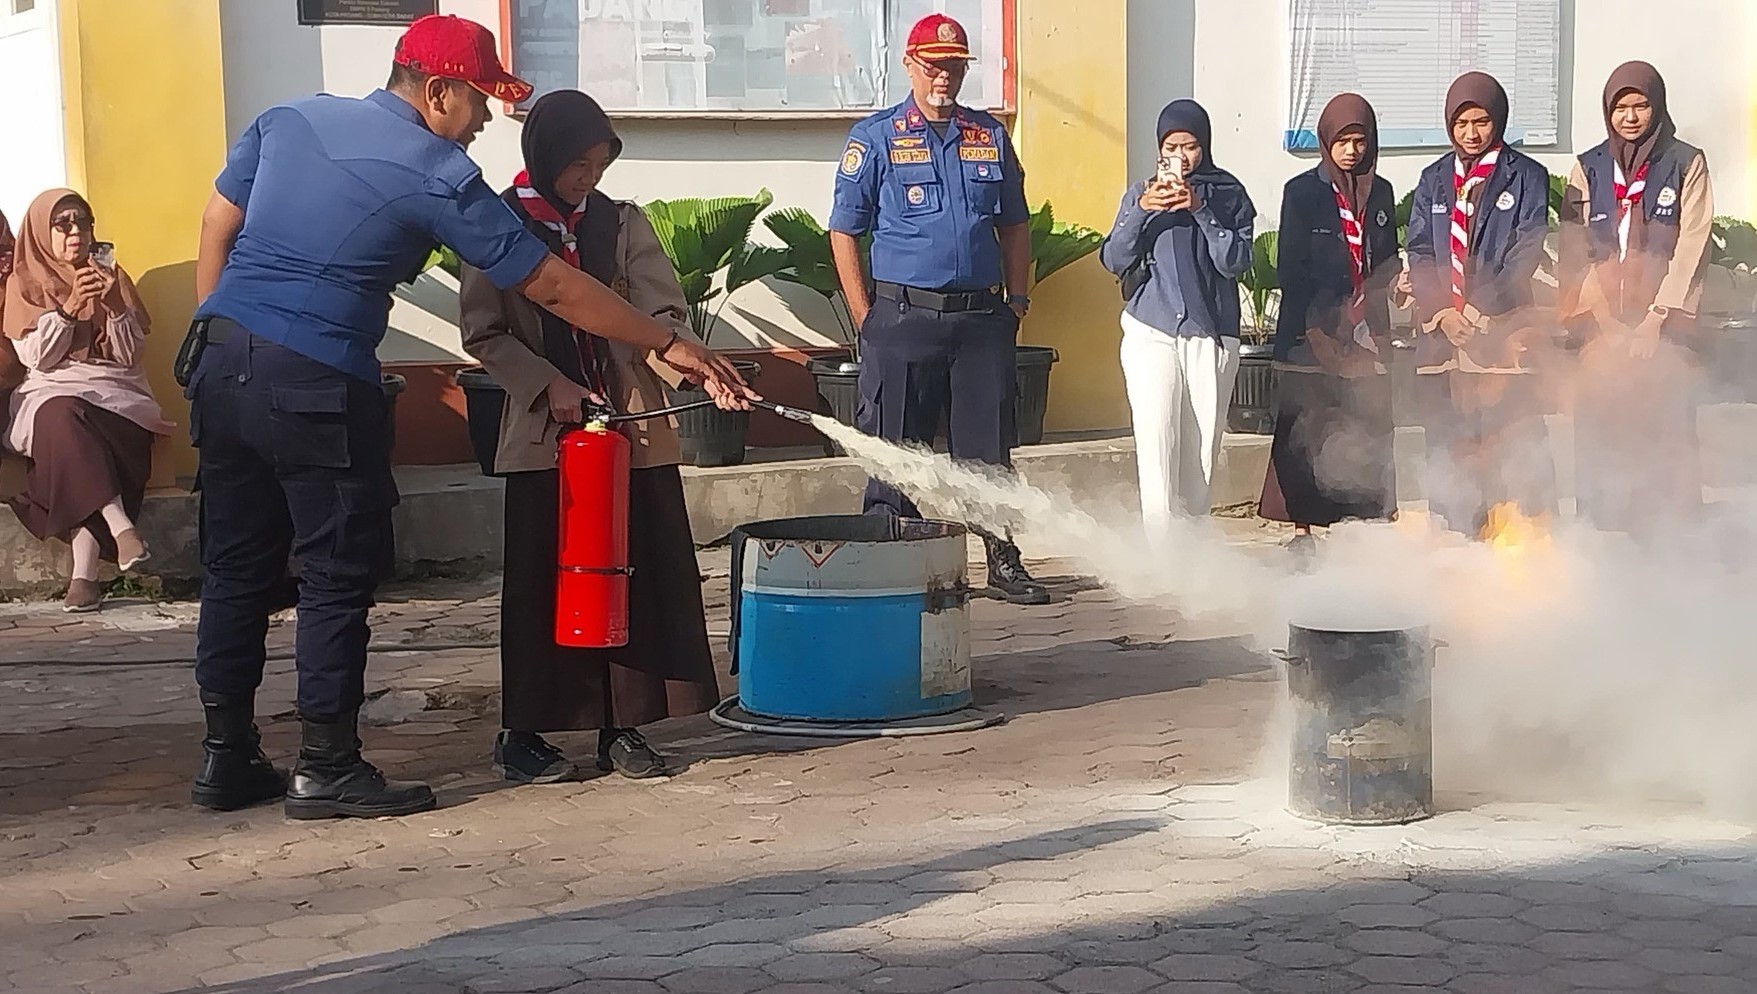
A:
853, 157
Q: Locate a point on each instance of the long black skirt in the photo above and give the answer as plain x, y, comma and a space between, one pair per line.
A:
85, 457
667, 668
1331, 459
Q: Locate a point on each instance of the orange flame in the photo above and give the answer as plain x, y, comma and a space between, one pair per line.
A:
1510, 532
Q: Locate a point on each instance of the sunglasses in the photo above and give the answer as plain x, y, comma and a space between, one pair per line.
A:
67, 224
934, 70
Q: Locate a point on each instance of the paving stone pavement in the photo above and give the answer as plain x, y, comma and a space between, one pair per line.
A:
1120, 833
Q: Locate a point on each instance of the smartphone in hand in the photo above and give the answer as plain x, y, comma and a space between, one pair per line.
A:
103, 255
1171, 170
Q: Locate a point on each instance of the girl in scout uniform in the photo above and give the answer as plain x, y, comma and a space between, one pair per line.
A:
1636, 222
1476, 235
1331, 457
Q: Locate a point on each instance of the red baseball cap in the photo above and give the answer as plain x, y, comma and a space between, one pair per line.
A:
936, 38
451, 47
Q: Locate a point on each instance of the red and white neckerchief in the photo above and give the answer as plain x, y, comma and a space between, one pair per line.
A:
1355, 238
1464, 184
544, 212
1628, 194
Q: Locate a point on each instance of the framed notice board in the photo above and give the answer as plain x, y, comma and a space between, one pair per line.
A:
1402, 55
365, 11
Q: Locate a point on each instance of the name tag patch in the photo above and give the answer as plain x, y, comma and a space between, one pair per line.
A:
1440, 208
910, 156
979, 153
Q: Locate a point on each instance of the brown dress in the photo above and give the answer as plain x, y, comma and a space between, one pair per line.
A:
86, 457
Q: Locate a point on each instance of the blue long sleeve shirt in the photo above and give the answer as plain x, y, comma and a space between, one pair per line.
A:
1192, 260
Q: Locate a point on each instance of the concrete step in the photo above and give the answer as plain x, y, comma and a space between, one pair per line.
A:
450, 519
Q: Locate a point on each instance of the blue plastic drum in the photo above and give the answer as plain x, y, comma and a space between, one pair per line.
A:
860, 618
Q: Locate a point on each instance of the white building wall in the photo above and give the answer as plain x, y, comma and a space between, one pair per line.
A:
35, 157
1240, 53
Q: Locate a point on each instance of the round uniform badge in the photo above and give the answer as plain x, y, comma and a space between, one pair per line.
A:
982, 170
947, 32
1505, 203
853, 158
917, 196
1383, 217
1668, 197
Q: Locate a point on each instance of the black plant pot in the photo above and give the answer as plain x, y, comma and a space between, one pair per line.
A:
394, 385
710, 436
484, 400
1253, 392
838, 388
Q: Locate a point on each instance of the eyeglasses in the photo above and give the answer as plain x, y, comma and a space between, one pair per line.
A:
67, 224
935, 70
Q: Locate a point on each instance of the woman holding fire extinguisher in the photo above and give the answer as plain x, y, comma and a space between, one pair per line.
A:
550, 371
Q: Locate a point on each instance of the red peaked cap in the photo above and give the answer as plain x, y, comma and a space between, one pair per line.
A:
451, 47
937, 38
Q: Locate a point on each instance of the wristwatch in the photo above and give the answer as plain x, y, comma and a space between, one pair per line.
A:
1019, 300
1659, 311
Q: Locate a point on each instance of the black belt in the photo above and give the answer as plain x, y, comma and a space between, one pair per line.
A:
945, 303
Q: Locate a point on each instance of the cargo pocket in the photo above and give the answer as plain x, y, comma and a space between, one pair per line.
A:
308, 426
919, 189
982, 180
365, 541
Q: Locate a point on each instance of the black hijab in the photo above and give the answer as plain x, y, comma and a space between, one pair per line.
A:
560, 127
1217, 187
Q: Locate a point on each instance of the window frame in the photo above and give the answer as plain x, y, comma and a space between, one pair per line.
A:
1009, 10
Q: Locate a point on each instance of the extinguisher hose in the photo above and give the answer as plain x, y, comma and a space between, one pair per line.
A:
790, 413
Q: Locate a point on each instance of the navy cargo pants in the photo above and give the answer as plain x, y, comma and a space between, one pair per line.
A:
919, 366
295, 458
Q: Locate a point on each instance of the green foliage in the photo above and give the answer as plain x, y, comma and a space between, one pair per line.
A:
445, 259
1733, 243
704, 237
1262, 286
1055, 245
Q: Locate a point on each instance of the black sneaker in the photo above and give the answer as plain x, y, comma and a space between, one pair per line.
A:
1304, 549
1008, 577
626, 752
525, 757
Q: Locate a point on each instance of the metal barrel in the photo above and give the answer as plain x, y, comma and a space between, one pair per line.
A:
1363, 742
859, 618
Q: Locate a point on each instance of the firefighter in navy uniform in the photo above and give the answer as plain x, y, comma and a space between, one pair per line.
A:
940, 189
323, 207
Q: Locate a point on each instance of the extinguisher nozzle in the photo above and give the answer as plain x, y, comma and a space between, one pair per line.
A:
790, 413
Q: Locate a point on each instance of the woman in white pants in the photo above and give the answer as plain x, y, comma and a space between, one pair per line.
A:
1180, 242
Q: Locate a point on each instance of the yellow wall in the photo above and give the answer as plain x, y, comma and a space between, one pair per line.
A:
1073, 101
146, 133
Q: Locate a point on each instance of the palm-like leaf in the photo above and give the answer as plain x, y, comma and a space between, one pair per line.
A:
703, 236
1055, 246
1733, 243
809, 261
1262, 282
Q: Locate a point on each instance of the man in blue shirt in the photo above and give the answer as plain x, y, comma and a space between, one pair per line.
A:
939, 188
324, 206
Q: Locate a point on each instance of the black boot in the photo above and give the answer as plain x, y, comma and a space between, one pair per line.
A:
331, 780
234, 772
1007, 575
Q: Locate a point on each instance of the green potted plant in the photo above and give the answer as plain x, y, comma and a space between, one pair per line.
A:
809, 264
1253, 392
1055, 245
707, 238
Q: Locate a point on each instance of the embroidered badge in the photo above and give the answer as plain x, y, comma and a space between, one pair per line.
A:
1383, 217
1505, 201
970, 134
1667, 197
947, 32
908, 141
916, 121
899, 125
917, 196
853, 157
982, 171
620, 286
979, 154
910, 156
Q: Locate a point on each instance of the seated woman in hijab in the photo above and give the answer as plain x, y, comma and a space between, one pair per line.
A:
1476, 234
1180, 242
84, 414
1331, 458
549, 370
1636, 220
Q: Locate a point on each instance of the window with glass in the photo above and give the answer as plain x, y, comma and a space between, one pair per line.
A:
745, 56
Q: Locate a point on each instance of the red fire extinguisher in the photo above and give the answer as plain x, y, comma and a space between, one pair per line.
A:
591, 584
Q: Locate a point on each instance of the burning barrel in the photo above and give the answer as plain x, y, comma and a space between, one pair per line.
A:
852, 618
1363, 744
